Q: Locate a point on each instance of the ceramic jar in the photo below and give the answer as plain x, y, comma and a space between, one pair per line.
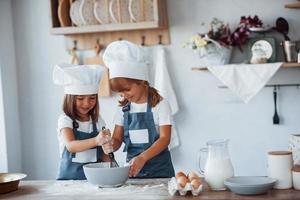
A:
280, 165
296, 177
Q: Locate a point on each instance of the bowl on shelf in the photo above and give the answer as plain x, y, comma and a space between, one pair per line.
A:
102, 175
250, 185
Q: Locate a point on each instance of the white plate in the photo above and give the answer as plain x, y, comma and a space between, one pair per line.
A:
260, 29
101, 11
86, 11
74, 13
125, 16
113, 11
250, 185
141, 12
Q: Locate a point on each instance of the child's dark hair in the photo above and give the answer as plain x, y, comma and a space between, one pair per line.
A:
69, 108
118, 86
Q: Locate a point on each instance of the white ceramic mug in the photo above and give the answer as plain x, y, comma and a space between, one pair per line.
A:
294, 146
280, 165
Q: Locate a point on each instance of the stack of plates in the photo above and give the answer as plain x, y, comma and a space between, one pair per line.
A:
249, 185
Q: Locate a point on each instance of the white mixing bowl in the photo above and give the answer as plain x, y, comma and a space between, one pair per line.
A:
100, 174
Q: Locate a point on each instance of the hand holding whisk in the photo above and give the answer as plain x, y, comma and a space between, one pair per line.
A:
108, 148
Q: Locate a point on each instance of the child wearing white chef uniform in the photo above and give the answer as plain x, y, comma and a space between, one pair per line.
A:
78, 128
143, 120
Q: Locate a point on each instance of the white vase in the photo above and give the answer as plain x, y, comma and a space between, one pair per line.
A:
214, 54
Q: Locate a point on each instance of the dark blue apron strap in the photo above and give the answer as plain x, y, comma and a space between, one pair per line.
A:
149, 103
95, 130
75, 127
126, 110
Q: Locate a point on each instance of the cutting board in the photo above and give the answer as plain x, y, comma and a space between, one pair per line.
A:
104, 88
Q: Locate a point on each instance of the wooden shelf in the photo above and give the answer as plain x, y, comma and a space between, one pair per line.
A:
290, 65
293, 5
143, 32
284, 65
104, 28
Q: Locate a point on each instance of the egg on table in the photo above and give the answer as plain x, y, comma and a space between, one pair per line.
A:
193, 175
182, 181
179, 174
196, 183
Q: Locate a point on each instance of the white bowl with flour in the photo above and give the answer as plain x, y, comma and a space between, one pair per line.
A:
102, 175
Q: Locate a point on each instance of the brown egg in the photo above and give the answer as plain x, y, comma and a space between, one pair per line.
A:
179, 174
182, 180
196, 183
193, 175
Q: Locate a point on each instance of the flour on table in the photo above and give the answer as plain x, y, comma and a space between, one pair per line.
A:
84, 188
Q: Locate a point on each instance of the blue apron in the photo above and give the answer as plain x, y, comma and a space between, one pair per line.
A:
73, 170
159, 166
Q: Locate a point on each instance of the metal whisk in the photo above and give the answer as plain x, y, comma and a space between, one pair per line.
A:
113, 162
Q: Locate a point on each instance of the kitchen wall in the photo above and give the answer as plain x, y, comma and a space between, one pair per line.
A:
10, 143
206, 112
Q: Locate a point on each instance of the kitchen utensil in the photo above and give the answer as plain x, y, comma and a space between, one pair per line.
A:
74, 56
249, 185
275, 117
9, 181
282, 26
289, 50
102, 175
113, 163
218, 165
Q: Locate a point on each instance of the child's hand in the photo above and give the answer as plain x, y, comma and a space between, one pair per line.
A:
103, 137
137, 163
108, 147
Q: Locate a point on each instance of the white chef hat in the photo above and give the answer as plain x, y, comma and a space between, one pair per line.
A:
125, 59
78, 79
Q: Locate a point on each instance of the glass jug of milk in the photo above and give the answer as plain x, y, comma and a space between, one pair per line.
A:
218, 166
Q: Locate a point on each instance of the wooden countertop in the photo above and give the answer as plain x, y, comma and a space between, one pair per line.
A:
149, 189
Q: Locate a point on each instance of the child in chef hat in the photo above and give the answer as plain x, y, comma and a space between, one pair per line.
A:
79, 126
143, 120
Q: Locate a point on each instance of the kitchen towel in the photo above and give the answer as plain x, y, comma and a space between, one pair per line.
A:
159, 78
245, 80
